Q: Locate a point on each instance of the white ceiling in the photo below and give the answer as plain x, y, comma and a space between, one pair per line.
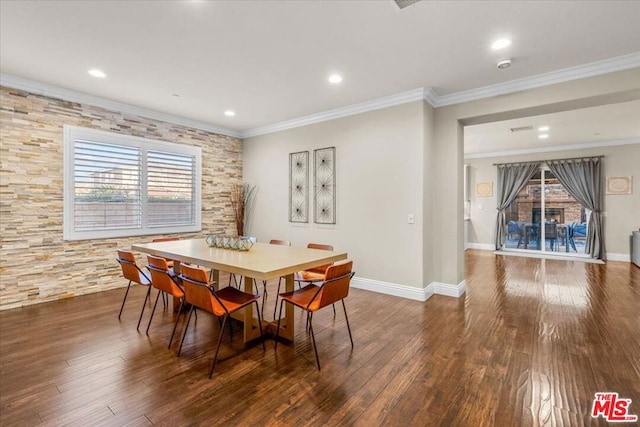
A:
269, 60
613, 122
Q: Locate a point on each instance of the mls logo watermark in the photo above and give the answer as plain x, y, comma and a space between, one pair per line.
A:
612, 408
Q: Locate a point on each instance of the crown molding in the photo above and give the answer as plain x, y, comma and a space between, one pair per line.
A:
52, 91
550, 149
363, 107
430, 96
592, 69
427, 94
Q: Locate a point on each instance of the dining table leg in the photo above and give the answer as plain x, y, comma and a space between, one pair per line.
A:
251, 328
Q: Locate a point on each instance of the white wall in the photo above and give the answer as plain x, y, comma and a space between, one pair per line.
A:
622, 211
448, 214
379, 180
400, 160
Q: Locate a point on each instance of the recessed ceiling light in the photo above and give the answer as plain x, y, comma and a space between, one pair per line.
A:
229, 113
543, 136
543, 128
500, 44
335, 78
97, 73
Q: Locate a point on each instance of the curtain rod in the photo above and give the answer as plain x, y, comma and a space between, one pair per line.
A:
550, 160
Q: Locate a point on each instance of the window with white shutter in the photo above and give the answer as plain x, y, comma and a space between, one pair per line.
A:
118, 185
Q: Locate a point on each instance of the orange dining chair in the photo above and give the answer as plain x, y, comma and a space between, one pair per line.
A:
166, 239
315, 274
132, 272
312, 298
166, 284
221, 303
169, 261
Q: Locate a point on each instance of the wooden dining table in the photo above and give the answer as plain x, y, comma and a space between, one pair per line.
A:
262, 262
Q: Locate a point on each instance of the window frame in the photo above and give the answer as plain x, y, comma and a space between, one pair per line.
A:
73, 133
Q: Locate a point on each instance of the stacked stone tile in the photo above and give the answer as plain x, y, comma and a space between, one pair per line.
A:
36, 264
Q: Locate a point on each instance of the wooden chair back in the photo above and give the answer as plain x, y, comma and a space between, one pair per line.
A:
165, 239
160, 277
280, 242
323, 268
130, 269
335, 286
197, 291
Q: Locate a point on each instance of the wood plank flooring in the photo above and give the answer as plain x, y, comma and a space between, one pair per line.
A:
529, 344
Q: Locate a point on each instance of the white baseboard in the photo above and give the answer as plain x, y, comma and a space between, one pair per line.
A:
450, 290
481, 246
618, 257
410, 292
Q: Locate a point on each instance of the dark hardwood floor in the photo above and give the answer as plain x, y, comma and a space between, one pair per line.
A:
529, 344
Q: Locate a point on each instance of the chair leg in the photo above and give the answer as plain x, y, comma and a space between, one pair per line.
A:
334, 309
348, 327
125, 298
235, 280
264, 294
275, 307
264, 348
153, 311
278, 327
184, 334
313, 341
213, 365
147, 297
175, 325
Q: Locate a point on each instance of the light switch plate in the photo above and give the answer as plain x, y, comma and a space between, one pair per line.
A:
411, 219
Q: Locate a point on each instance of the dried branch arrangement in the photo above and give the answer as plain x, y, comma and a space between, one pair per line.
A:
242, 200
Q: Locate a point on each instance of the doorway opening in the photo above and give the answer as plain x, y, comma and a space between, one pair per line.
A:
544, 217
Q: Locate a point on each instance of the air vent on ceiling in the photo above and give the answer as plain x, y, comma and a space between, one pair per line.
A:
405, 3
521, 128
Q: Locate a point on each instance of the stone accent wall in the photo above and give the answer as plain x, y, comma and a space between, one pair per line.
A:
36, 265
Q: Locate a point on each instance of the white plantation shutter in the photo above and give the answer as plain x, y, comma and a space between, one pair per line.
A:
118, 185
170, 189
106, 186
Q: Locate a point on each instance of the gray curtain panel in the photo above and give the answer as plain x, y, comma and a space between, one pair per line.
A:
582, 178
511, 179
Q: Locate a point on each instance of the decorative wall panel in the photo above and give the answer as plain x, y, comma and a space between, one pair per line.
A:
324, 181
299, 187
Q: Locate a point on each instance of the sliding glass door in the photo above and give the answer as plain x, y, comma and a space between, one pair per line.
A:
545, 218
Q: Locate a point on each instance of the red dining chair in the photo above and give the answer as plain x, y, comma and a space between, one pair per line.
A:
166, 284
312, 298
221, 303
132, 272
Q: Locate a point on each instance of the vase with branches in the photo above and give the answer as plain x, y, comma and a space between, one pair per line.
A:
242, 199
